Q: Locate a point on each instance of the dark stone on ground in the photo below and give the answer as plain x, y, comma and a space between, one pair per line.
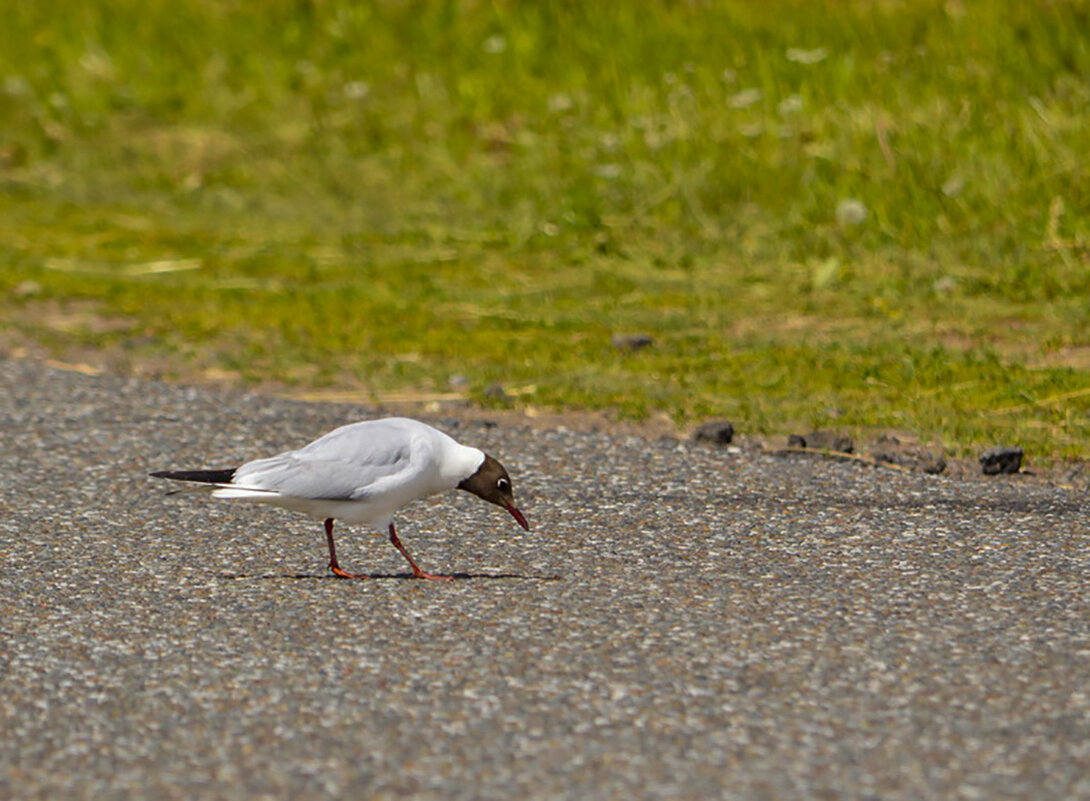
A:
1001, 459
911, 459
822, 441
632, 341
717, 432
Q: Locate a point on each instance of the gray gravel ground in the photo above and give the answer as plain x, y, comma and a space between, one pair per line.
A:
680, 623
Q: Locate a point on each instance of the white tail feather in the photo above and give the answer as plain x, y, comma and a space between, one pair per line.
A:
231, 491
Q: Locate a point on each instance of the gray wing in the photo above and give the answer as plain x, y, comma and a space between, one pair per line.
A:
346, 464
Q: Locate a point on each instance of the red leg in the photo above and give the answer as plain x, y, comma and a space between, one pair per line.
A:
333, 554
417, 572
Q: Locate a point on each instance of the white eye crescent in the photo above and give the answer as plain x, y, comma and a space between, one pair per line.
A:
503, 484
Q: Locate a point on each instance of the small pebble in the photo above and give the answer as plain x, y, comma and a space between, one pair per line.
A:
822, 441
1001, 459
717, 432
632, 341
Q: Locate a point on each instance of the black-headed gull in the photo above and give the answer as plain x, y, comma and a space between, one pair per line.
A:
361, 474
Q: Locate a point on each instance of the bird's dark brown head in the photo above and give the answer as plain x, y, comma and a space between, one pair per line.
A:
491, 483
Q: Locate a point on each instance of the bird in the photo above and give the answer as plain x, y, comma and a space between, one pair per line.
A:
361, 474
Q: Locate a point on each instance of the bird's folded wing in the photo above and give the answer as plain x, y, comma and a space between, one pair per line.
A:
303, 475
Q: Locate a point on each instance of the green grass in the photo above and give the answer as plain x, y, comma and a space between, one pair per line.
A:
385, 195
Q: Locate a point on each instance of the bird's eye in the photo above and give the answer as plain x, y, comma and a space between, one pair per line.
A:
503, 485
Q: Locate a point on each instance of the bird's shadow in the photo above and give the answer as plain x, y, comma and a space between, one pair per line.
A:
389, 576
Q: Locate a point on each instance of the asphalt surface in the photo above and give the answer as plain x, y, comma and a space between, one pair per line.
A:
681, 622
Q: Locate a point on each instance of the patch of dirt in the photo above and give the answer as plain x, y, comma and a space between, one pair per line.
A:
67, 317
1077, 357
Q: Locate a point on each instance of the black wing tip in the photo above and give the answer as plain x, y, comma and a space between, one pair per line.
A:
201, 476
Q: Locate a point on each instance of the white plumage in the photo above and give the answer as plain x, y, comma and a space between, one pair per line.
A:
361, 474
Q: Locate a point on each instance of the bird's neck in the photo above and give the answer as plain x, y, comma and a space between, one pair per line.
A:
459, 464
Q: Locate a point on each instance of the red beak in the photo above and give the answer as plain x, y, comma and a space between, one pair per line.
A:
519, 518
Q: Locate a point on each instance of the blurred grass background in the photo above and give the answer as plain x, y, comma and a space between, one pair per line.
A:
859, 213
